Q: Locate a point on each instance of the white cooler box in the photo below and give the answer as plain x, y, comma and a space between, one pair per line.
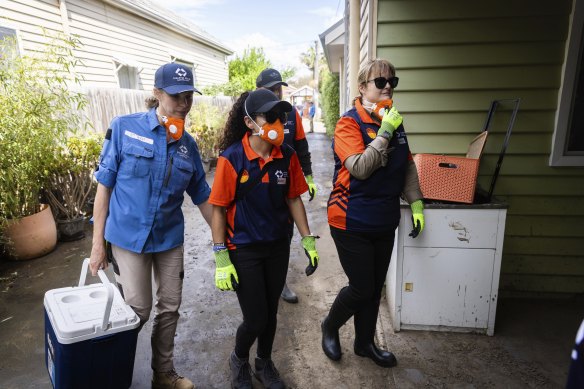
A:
90, 336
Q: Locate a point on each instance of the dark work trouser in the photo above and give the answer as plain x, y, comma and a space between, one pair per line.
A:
365, 259
261, 269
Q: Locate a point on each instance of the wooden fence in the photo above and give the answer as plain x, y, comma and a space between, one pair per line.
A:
106, 103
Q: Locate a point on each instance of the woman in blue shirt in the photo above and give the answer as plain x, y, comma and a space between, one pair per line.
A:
146, 165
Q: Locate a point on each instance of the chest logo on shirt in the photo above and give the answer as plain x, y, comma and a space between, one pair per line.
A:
244, 177
372, 133
401, 138
183, 151
286, 131
281, 177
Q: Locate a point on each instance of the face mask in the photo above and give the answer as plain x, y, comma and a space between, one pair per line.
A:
271, 132
380, 108
174, 127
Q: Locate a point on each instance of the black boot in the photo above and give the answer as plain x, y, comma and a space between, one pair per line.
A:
338, 315
266, 373
288, 295
365, 323
240, 372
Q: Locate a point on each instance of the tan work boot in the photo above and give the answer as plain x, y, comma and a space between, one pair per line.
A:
170, 380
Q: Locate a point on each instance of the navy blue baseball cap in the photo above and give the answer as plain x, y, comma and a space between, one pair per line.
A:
175, 78
263, 100
268, 78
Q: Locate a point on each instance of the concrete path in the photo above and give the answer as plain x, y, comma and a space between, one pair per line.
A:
531, 346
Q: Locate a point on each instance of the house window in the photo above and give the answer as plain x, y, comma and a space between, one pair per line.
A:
568, 141
6, 32
127, 77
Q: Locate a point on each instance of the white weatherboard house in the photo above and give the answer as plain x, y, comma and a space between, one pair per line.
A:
123, 41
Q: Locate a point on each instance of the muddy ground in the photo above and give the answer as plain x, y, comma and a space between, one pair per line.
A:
530, 349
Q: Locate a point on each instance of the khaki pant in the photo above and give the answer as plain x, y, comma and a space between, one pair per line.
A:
134, 274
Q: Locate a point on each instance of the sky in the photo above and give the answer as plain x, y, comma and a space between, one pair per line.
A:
284, 29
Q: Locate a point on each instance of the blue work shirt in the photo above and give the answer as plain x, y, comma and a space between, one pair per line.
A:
149, 177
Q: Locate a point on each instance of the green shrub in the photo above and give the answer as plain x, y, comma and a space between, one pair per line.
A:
330, 102
71, 180
39, 111
206, 126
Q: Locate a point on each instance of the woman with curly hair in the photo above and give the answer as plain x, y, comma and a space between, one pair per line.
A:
255, 197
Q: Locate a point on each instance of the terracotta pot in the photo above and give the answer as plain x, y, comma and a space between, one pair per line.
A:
32, 236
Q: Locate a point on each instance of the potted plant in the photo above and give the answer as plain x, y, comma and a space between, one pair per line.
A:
206, 126
39, 110
71, 185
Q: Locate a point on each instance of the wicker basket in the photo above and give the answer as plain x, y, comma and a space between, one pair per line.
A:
447, 178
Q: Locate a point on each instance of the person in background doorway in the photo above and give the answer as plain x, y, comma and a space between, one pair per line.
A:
294, 136
147, 163
311, 113
255, 195
373, 167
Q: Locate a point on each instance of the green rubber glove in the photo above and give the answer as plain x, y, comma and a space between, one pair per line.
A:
311, 187
225, 271
391, 121
417, 217
309, 244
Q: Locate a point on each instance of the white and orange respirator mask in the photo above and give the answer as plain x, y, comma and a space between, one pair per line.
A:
380, 108
174, 127
273, 130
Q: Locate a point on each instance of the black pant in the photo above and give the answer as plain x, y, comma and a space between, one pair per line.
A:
261, 269
365, 259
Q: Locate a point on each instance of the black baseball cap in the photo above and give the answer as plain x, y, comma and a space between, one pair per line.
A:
174, 78
268, 78
263, 100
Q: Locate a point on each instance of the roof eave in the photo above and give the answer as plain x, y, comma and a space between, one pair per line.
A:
169, 24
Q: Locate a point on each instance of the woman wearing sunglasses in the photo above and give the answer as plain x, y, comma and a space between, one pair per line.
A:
255, 197
373, 168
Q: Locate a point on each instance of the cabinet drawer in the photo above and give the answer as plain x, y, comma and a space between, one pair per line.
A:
457, 228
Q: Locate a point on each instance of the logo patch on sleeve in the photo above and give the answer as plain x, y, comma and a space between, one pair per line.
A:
372, 133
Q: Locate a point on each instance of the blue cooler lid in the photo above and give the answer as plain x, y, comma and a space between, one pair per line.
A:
77, 313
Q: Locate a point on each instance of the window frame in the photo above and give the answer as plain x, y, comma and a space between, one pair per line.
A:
120, 62
7, 25
558, 156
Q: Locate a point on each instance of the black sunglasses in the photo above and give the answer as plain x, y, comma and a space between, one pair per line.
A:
272, 116
381, 82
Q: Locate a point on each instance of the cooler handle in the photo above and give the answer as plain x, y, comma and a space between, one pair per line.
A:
108, 286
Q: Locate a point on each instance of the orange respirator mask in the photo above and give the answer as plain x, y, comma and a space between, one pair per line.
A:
174, 127
272, 132
380, 108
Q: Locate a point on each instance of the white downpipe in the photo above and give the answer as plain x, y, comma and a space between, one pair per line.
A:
354, 28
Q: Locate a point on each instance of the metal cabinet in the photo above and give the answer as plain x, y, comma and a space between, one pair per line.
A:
448, 277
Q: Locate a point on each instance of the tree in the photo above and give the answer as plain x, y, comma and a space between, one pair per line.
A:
243, 72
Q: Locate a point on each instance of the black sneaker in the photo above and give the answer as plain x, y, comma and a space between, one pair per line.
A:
240, 372
266, 373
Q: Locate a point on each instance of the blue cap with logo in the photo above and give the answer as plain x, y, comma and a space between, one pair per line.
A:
175, 78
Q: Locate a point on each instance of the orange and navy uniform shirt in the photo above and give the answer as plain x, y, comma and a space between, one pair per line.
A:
263, 214
372, 204
295, 137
